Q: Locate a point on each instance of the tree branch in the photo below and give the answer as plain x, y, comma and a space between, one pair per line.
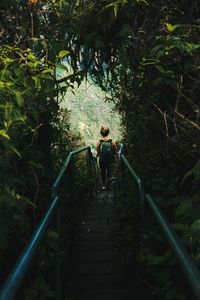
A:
188, 121
71, 76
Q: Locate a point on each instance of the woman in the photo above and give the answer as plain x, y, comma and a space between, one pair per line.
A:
106, 149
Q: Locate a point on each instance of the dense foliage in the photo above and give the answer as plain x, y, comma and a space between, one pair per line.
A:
146, 53
35, 137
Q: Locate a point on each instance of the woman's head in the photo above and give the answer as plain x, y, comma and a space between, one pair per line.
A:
104, 130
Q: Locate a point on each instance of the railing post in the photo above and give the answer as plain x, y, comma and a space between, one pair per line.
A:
121, 152
54, 192
58, 258
89, 161
92, 170
141, 191
69, 175
95, 174
140, 186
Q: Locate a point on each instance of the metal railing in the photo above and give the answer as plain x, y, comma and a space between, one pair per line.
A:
14, 280
190, 270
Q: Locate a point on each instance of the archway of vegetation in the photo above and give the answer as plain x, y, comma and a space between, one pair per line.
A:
90, 107
146, 55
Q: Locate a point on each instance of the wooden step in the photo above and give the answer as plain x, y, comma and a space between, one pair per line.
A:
96, 246
102, 268
98, 282
97, 221
88, 227
102, 256
94, 216
95, 236
111, 294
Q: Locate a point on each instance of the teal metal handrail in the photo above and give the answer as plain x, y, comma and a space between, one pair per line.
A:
190, 270
14, 280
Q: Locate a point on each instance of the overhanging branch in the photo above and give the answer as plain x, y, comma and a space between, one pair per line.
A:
71, 76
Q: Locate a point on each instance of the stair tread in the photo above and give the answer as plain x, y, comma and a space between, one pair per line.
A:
90, 235
96, 228
95, 221
111, 294
98, 256
99, 268
105, 282
96, 246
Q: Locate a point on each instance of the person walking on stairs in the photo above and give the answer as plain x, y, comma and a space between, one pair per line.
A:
106, 149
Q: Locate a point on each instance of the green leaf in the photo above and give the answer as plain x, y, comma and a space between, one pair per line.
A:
29, 83
180, 227
2, 106
50, 71
191, 46
37, 81
31, 57
15, 151
183, 208
62, 67
4, 134
109, 5
5, 84
19, 73
157, 51
195, 227
19, 97
34, 39
171, 27
194, 172
46, 76
52, 234
156, 260
5, 75
149, 62
63, 53
161, 69
116, 9
44, 44
143, 1
8, 60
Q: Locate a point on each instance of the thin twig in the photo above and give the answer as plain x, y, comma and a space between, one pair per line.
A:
187, 120
188, 75
36, 195
165, 118
166, 125
179, 87
169, 117
194, 106
31, 24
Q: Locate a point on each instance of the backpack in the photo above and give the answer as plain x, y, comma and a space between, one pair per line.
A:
106, 151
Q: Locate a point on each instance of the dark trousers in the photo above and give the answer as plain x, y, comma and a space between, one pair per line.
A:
106, 171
